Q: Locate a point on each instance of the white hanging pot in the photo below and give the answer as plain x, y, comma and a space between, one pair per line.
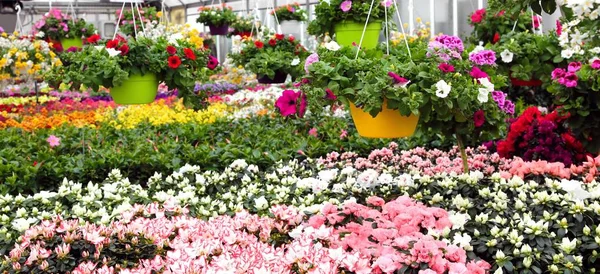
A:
290, 27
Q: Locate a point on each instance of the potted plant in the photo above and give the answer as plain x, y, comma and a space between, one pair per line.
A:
244, 26
289, 17
132, 68
24, 59
347, 20
62, 30
217, 19
489, 25
129, 26
272, 58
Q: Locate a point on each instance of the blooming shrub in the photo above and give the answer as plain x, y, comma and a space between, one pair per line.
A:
216, 16
533, 136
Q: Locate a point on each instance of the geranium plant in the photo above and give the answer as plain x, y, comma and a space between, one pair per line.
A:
271, 55
489, 25
334, 11
290, 12
216, 16
55, 25
129, 26
177, 62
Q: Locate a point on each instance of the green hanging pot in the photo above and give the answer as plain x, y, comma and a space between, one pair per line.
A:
349, 32
137, 89
71, 42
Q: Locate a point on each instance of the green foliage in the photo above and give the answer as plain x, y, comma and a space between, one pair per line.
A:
271, 54
290, 12
126, 25
328, 13
244, 24
548, 6
216, 16
499, 22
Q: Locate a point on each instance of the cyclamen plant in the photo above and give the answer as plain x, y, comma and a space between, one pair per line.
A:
290, 12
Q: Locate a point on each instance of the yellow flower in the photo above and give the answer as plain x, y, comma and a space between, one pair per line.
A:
159, 14
4, 35
3, 62
418, 20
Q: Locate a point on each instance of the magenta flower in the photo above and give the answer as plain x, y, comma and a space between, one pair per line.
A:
558, 28
346, 5
595, 64
574, 66
484, 57
387, 3
53, 141
309, 60
287, 102
479, 118
536, 21
558, 73
570, 79
329, 95
478, 73
445, 67
397, 79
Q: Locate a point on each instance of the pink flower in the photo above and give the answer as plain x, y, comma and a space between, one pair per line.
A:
387, 3
313, 132
397, 79
53, 141
479, 118
478, 73
558, 73
574, 66
329, 95
595, 64
427, 271
287, 102
310, 59
344, 134
477, 16
536, 21
445, 67
375, 201
346, 5
558, 28
570, 80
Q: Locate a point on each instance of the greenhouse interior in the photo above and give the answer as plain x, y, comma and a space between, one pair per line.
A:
319, 136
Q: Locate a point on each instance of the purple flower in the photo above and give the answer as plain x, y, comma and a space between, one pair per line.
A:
446, 47
499, 97
484, 57
570, 80
309, 60
509, 107
574, 66
1, 30
346, 5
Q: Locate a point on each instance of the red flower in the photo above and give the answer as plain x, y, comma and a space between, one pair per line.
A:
111, 44
496, 38
174, 61
189, 54
93, 39
478, 16
291, 38
272, 42
212, 62
479, 118
259, 44
124, 49
279, 36
171, 50
501, 13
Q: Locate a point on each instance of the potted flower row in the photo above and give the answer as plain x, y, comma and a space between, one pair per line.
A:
347, 18
217, 18
439, 86
272, 58
62, 31
132, 68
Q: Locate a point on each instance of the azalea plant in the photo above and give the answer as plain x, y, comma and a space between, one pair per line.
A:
290, 12
270, 55
216, 16
131, 20
334, 11
177, 62
24, 59
55, 25
489, 25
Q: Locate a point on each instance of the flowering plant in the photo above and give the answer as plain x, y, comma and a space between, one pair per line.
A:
534, 136
55, 25
24, 59
216, 16
129, 26
290, 12
330, 12
271, 54
176, 61
577, 90
489, 25
244, 25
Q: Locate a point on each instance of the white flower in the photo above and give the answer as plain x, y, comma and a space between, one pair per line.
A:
507, 56
458, 220
462, 240
568, 245
40, 34
296, 232
567, 53
575, 190
478, 48
333, 46
261, 203
484, 95
112, 52
295, 62
442, 89
328, 175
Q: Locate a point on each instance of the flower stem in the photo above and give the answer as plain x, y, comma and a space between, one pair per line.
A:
463, 153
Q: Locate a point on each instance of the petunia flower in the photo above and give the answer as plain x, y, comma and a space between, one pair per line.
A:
346, 6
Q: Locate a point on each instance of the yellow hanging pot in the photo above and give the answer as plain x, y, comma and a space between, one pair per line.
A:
388, 123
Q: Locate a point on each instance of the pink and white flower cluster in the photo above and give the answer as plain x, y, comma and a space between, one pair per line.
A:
378, 239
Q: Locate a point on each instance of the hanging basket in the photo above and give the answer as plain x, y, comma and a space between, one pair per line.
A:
219, 30
348, 33
244, 34
137, 89
389, 123
71, 42
277, 79
290, 26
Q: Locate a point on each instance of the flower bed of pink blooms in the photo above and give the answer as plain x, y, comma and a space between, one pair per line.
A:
379, 238
434, 161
